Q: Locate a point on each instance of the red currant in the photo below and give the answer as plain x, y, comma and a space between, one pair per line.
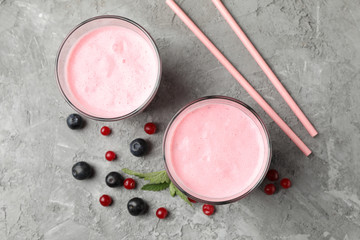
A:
105, 200
150, 128
129, 183
110, 155
272, 175
161, 213
285, 183
191, 200
208, 209
270, 189
105, 130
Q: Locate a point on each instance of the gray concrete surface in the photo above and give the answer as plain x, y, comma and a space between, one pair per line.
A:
312, 45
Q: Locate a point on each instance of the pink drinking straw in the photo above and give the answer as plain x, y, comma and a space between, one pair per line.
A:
253, 93
263, 65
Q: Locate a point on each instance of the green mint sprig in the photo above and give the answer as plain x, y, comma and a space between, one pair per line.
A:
155, 187
153, 177
158, 181
179, 193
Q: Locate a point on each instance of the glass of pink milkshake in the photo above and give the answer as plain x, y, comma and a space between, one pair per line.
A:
216, 150
108, 68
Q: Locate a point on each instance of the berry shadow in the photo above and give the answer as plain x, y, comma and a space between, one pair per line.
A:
149, 147
146, 211
93, 173
113, 202
84, 124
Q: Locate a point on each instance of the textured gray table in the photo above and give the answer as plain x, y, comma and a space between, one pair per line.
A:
312, 45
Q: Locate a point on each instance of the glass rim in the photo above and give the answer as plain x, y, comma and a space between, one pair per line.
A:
268, 140
158, 78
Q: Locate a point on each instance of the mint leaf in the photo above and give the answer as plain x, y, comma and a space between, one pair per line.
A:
172, 189
183, 196
158, 177
155, 187
153, 173
130, 172
158, 181
153, 177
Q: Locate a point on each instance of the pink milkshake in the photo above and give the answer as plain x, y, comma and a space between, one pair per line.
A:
217, 150
108, 68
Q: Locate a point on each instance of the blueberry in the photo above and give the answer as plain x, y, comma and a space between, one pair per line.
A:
138, 147
82, 170
114, 179
137, 206
75, 121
